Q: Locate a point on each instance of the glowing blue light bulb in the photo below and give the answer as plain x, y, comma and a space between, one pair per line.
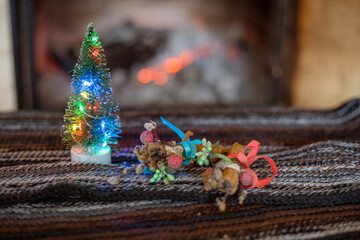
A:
102, 124
86, 83
104, 144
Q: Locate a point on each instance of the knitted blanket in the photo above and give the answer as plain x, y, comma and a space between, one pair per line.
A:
315, 195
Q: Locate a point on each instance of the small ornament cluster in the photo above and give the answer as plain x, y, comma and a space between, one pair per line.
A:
230, 170
158, 158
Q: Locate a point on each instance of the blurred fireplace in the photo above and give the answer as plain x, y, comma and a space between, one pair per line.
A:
161, 53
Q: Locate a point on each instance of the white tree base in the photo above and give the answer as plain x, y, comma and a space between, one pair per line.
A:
93, 155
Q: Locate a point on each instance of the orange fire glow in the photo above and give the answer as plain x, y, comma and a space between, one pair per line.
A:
186, 57
160, 73
173, 65
204, 51
160, 78
145, 76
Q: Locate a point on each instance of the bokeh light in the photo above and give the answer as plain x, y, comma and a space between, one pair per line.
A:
204, 51
173, 65
145, 76
160, 78
186, 57
232, 52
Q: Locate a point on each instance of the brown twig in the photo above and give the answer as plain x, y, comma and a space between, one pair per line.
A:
156, 135
187, 135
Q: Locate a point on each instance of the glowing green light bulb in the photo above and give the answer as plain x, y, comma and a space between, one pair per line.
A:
94, 39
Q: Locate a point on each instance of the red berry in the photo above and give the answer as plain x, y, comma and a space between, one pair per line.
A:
175, 161
246, 179
147, 137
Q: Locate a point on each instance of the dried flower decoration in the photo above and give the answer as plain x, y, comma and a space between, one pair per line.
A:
150, 126
230, 172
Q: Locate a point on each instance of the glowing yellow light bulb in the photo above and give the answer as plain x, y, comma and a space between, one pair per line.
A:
76, 127
84, 94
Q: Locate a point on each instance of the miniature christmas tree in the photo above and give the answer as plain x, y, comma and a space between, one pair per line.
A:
91, 120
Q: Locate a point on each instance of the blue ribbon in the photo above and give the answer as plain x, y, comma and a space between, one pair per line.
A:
180, 133
189, 145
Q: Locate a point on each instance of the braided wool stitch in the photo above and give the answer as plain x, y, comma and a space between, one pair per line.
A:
315, 195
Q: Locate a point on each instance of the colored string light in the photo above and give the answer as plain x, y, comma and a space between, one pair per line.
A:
76, 126
94, 39
84, 94
95, 53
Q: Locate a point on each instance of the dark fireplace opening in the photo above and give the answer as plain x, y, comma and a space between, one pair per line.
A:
161, 53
